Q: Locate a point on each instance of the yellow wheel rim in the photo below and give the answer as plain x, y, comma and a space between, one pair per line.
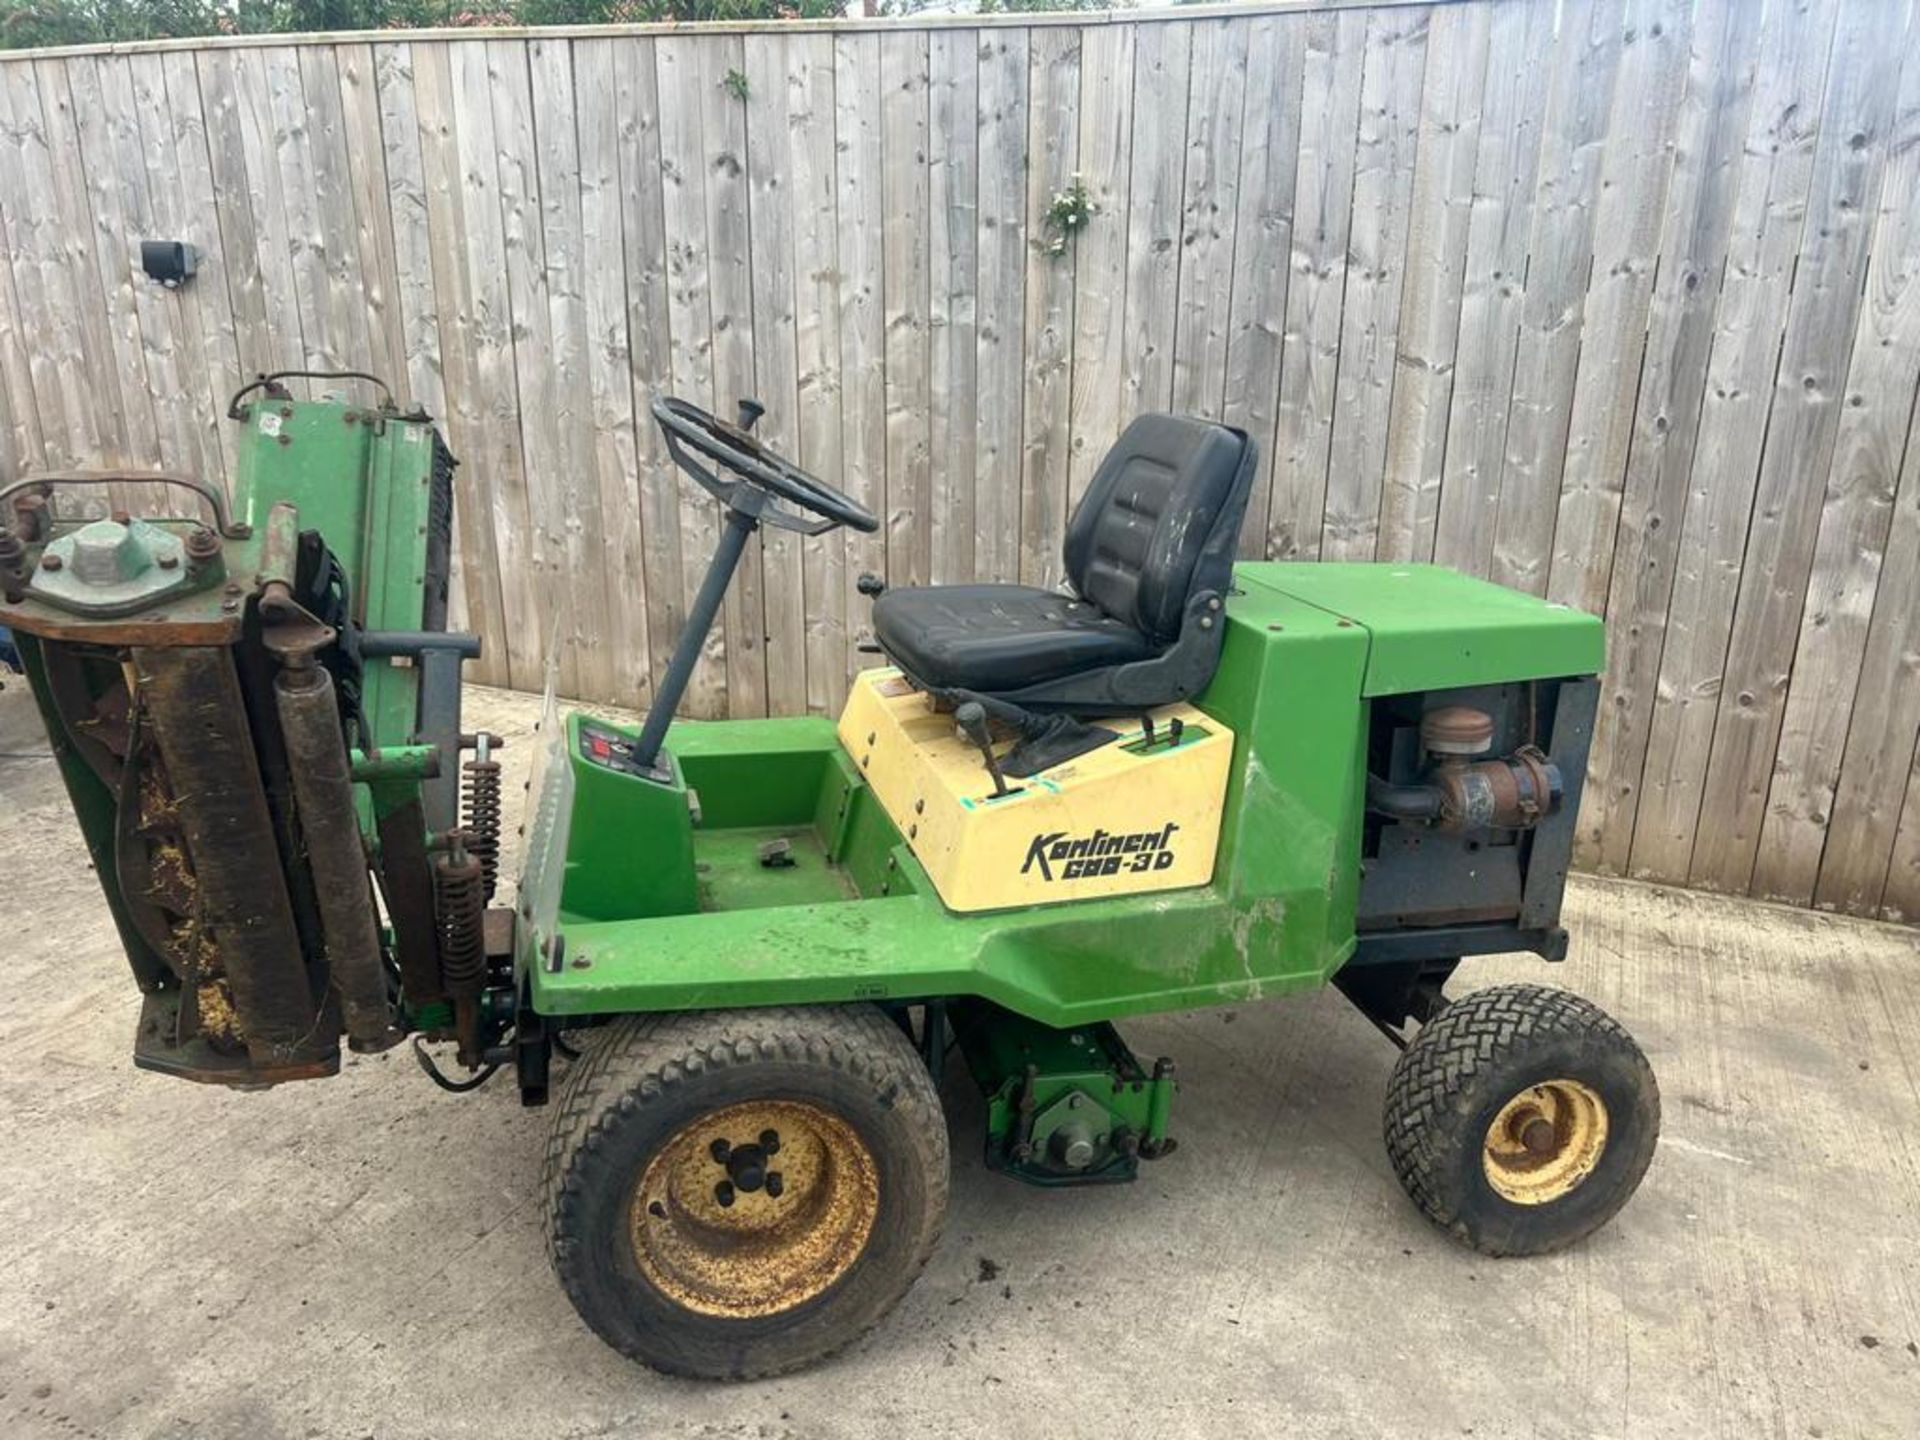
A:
1545, 1141
755, 1209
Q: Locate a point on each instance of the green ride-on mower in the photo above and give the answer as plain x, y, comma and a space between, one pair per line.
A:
1182, 782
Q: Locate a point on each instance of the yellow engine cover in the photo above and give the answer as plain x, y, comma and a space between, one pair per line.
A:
1128, 818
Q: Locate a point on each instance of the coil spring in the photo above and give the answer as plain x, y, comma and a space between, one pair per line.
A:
460, 904
481, 789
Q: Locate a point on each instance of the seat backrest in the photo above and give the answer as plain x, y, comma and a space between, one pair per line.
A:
1160, 520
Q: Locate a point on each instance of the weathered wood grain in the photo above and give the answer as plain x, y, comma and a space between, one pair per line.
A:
1263, 247
1000, 305
1844, 568
953, 247
1493, 287
1322, 221
1712, 132
1809, 390
1629, 217
1209, 209
1383, 172
1532, 289
909, 520
1439, 218
1053, 98
1162, 69
1775, 173
775, 352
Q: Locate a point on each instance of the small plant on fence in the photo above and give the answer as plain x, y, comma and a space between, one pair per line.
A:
736, 83
1069, 212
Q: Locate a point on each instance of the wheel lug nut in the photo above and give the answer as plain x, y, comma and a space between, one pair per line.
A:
770, 1141
775, 1184
723, 1192
720, 1150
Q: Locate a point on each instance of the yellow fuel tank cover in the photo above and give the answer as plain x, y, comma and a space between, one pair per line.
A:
1137, 815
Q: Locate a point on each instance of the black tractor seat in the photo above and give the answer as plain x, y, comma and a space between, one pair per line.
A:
1149, 555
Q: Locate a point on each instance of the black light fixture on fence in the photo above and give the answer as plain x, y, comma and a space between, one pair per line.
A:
171, 262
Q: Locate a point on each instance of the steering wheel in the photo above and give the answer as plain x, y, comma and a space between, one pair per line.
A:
762, 475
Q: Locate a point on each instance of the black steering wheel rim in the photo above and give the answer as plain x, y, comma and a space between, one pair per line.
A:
735, 449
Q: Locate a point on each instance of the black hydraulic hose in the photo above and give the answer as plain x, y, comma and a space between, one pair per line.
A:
1403, 802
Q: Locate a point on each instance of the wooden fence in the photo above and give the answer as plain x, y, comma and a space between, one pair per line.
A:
1611, 300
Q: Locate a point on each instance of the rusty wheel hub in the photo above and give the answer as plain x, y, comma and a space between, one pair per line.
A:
1545, 1141
755, 1209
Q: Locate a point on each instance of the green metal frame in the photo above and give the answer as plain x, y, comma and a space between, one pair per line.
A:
1306, 646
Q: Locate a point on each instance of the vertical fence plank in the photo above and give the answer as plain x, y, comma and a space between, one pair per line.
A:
1626, 242
1844, 567
528, 607
111, 231
910, 522
1322, 217
197, 314
1700, 203
415, 320
683, 169
1802, 426
260, 274
1586, 63
1053, 98
1104, 148
1440, 214
1776, 169
1001, 302
47, 294
1156, 184
86, 253
1871, 864
863, 414
640, 181
1377, 243
611, 448
1263, 247
809, 83
372, 215
418, 111
1493, 286
775, 351
953, 182
723, 123
1209, 209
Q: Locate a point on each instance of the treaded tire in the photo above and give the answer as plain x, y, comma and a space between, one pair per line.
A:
645, 1079
1463, 1067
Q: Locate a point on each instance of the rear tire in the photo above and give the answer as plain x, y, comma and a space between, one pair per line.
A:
781, 1272
1521, 1119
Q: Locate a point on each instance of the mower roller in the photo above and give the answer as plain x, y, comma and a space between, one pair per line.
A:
740, 954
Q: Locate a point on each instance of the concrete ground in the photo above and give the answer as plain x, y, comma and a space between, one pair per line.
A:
364, 1258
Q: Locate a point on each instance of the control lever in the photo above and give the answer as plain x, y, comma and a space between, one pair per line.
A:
750, 411
971, 718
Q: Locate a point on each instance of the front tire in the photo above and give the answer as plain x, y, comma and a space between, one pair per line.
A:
738, 1194
1521, 1119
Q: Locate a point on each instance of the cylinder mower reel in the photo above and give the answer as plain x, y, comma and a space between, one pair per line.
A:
746, 951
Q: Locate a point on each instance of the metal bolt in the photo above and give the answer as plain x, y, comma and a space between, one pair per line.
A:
770, 1141
168, 561
1206, 622
720, 1150
775, 1184
52, 562
723, 1192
